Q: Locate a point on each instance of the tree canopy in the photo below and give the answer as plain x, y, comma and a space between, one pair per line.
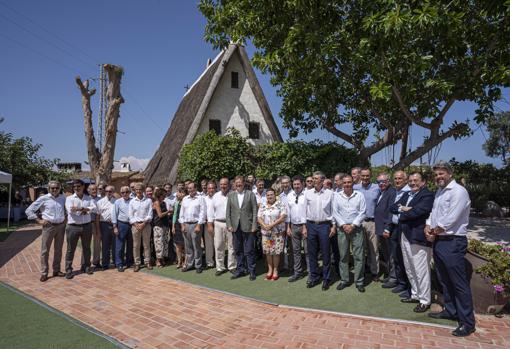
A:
20, 157
498, 143
367, 70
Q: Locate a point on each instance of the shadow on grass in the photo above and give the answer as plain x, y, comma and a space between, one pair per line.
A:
376, 301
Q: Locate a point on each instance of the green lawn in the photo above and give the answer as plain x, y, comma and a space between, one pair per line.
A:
376, 301
26, 324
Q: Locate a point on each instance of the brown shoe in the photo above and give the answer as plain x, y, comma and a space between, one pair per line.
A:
43, 278
58, 274
136, 269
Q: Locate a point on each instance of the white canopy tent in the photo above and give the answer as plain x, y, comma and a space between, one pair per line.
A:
6, 178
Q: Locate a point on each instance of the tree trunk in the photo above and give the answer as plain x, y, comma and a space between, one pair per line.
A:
101, 164
403, 149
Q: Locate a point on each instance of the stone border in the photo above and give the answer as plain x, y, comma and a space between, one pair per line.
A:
65, 316
312, 310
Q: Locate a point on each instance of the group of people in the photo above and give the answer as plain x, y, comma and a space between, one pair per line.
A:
389, 231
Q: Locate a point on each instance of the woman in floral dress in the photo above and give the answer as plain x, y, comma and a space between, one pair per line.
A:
271, 218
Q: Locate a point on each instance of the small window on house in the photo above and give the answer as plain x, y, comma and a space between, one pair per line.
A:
234, 81
254, 130
215, 125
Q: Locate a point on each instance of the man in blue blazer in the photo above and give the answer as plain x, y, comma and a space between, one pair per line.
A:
384, 226
414, 208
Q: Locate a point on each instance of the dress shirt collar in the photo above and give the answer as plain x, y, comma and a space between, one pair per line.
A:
322, 190
353, 194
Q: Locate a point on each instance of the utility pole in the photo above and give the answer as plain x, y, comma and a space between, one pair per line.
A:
103, 107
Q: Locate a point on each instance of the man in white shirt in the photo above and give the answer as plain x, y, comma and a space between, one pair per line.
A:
308, 183
79, 207
122, 230
319, 227
349, 209
296, 220
140, 217
191, 218
51, 217
105, 226
447, 227
96, 233
260, 192
216, 222
209, 234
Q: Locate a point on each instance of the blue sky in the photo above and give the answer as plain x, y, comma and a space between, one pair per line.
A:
45, 44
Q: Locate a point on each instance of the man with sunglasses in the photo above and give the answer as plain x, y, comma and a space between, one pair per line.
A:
49, 211
122, 230
79, 207
140, 217
104, 225
308, 183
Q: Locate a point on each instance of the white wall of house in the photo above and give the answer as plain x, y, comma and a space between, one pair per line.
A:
236, 107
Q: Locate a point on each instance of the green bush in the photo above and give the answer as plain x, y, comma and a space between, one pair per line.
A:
497, 268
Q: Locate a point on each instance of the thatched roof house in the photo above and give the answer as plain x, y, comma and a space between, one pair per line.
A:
227, 94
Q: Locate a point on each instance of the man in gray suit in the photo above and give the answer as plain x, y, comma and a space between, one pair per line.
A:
241, 217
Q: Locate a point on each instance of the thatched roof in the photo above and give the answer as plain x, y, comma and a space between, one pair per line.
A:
163, 166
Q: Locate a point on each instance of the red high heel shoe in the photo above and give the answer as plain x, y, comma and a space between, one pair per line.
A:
275, 277
269, 276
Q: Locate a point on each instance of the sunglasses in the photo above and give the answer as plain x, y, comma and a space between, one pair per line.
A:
77, 186
382, 181
108, 191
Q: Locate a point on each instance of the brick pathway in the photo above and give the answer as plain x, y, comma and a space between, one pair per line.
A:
146, 311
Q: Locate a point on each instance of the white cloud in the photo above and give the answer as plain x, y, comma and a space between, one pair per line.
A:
136, 164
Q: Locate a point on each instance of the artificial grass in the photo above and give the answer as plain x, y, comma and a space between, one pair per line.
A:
376, 301
26, 324
4, 234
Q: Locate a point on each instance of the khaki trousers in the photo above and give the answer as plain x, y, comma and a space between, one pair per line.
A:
221, 237
372, 245
142, 236
50, 233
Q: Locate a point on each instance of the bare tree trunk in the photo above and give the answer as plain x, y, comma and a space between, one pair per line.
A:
405, 138
101, 164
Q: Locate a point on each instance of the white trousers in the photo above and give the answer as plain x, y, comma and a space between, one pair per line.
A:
221, 237
417, 264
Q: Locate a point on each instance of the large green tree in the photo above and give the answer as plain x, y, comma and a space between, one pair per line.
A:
21, 158
498, 143
367, 70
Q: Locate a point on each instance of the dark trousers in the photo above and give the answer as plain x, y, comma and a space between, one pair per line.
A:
124, 245
386, 258
318, 239
298, 264
335, 254
244, 249
73, 234
398, 259
452, 274
107, 243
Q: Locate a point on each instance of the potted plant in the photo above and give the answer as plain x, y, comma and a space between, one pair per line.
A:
489, 266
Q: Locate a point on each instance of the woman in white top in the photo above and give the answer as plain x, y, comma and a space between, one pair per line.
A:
271, 218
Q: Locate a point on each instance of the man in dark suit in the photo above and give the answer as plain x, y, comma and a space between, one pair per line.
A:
383, 226
241, 220
414, 208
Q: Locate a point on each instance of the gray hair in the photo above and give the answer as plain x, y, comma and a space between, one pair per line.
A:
285, 177
125, 187
50, 183
320, 174
383, 174
443, 165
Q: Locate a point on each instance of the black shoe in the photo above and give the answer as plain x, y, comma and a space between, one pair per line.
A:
121, 269
58, 274
399, 289
69, 275
442, 315
325, 285
220, 272
421, 308
463, 331
409, 300
136, 269
89, 270
375, 278
199, 270
253, 277
342, 285
312, 284
405, 294
237, 276
389, 285
295, 277
43, 278
361, 288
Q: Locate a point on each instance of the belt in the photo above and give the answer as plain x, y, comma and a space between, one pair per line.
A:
107, 222
195, 222
449, 237
78, 225
221, 220
57, 223
123, 222
298, 224
369, 220
318, 222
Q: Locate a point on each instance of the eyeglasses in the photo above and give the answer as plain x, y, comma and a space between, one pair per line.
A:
77, 186
382, 181
108, 191
309, 181
124, 192
54, 188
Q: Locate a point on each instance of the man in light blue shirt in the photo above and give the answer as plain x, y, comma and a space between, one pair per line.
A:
51, 208
349, 211
122, 230
371, 192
